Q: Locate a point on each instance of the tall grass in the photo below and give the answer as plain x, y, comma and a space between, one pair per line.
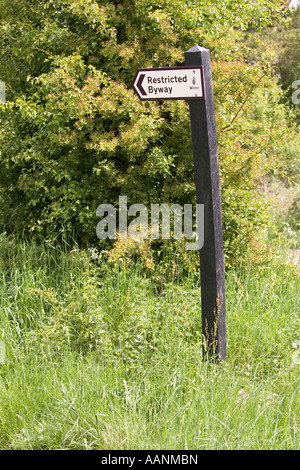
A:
98, 358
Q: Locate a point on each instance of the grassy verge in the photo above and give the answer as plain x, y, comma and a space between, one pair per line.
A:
98, 358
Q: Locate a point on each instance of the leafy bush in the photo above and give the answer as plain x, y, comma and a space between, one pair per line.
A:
73, 135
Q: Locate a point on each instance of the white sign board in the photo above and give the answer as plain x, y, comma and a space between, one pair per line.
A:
172, 83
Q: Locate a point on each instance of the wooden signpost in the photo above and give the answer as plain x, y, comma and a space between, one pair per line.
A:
194, 84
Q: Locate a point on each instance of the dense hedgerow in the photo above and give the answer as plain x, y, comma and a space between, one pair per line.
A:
73, 135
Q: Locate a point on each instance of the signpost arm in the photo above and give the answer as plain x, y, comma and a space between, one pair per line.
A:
206, 167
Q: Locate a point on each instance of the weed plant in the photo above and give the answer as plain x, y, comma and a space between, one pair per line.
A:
106, 355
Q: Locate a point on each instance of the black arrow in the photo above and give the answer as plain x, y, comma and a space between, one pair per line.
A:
139, 84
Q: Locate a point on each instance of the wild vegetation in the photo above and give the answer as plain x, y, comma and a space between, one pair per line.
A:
73, 134
101, 356
100, 342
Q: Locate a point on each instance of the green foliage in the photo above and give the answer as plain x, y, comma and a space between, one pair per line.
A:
282, 183
284, 39
289, 56
73, 135
97, 359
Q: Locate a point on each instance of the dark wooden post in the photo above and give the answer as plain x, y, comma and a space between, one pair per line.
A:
206, 165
